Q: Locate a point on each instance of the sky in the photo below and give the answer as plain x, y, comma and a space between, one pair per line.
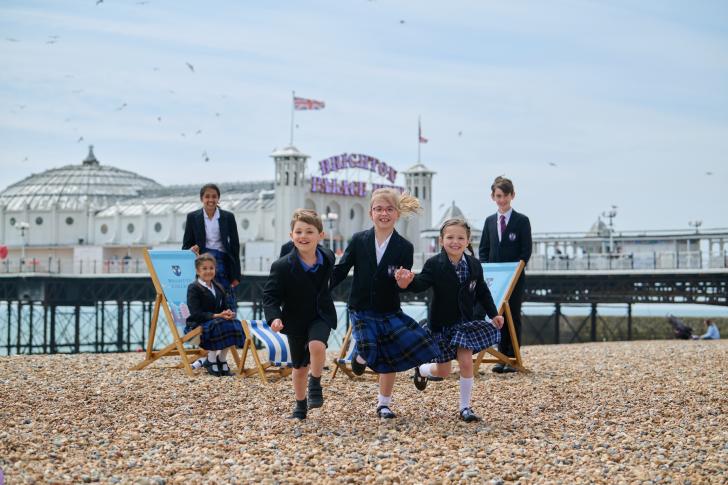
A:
583, 104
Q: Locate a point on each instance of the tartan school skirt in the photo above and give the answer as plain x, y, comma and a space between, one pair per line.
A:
391, 342
475, 335
219, 334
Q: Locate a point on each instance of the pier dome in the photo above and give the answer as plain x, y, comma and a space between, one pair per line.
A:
72, 187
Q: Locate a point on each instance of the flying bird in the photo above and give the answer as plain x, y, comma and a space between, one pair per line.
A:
205, 157
99, 1
401, 21
155, 69
142, 3
217, 114
159, 118
198, 132
80, 139
11, 39
51, 41
553, 164
25, 159
460, 133
121, 107
190, 66
708, 173
183, 135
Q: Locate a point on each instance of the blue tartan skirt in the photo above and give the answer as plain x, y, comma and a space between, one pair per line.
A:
219, 334
391, 342
476, 335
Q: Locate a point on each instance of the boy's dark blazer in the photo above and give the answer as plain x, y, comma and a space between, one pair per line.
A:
203, 304
453, 301
290, 294
515, 245
374, 286
195, 235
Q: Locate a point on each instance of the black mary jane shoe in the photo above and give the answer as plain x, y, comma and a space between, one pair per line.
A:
385, 413
419, 380
224, 368
467, 415
357, 368
210, 368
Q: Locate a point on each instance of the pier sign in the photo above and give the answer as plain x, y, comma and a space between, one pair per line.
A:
352, 188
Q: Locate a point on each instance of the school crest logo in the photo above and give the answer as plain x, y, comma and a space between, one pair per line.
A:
472, 285
176, 270
489, 282
512, 236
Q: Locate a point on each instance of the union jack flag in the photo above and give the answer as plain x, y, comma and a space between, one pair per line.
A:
305, 104
419, 133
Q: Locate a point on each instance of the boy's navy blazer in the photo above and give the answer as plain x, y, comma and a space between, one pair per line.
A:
452, 301
374, 287
195, 235
515, 244
290, 294
203, 304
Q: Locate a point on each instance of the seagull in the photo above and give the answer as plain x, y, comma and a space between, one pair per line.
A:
21, 106
553, 164
51, 41
183, 135
142, 3
460, 133
192, 68
99, 1
53, 36
198, 132
171, 91
401, 21
217, 114
708, 173
67, 120
25, 159
296, 125
155, 69
11, 39
80, 139
121, 107
159, 118
205, 157
77, 91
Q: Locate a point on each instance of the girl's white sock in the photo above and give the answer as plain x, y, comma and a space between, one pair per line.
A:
426, 370
466, 391
198, 363
360, 360
385, 400
212, 355
223, 355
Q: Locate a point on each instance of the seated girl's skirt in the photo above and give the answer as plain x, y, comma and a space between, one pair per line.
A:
476, 335
391, 342
219, 334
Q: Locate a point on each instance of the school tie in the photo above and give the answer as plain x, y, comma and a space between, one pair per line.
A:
502, 226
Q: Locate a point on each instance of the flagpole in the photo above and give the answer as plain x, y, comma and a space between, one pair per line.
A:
293, 95
419, 136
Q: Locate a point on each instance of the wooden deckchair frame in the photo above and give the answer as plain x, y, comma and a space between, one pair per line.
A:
187, 356
261, 368
505, 308
342, 355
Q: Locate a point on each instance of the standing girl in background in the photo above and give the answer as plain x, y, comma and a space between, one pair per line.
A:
208, 307
387, 340
458, 284
214, 230
507, 239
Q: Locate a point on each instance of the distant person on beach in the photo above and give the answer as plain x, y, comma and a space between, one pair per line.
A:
214, 230
711, 331
387, 340
298, 303
679, 329
506, 238
208, 307
457, 281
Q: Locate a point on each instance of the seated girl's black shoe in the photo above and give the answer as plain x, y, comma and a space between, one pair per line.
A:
299, 412
224, 368
213, 369
357, 368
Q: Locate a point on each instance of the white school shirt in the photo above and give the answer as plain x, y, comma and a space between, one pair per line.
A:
211, 287
212, 231
380, 249
497, 222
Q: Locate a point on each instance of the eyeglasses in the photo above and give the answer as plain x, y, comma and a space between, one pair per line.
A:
388, 210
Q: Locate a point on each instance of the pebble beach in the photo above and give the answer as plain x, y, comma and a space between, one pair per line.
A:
623, 412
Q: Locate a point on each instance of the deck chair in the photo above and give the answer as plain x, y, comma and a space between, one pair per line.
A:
274, 343
171, 273
501, 279
346, 354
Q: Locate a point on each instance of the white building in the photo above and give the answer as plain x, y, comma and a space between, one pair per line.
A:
94, 217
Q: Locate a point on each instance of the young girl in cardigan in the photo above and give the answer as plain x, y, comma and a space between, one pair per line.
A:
457, 282
387, 340
209, 307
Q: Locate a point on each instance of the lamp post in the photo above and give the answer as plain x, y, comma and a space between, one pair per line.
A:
22, 227
696, 225
611, 214
331, 218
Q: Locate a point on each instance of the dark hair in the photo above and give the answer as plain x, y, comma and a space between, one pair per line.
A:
456, 221
309, 217
209, 186
204, 257
503, 183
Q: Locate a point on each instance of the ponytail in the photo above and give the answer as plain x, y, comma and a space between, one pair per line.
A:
405, 203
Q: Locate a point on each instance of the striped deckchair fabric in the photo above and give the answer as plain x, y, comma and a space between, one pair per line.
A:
343, 361
276, 347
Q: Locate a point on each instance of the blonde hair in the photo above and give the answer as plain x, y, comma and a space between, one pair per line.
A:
309, 217
404, 202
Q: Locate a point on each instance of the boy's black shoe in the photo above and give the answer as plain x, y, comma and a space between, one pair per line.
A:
385, 413
299, 412
357, 368
498, 368
420, 381
467, 415
315, 393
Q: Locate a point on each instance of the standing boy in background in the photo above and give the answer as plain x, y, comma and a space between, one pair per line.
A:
507, 238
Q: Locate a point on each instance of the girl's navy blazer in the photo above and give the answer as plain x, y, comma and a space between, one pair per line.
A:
291, 295
452, 301
374, 287
195, 235
203, 304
